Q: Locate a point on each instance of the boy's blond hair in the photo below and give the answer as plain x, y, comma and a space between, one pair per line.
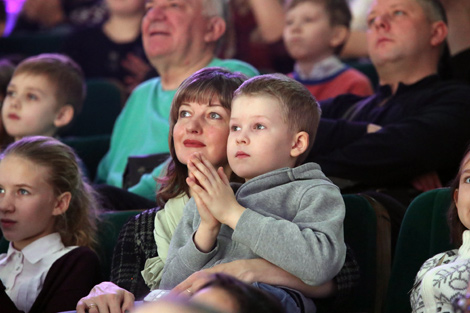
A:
338, 12
62, 72
300, 110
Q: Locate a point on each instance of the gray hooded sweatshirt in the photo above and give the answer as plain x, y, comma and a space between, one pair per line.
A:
293, 219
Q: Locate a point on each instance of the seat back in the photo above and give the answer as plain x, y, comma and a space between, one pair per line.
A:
367, 232
100, 110
90, 149
109, 226
424, 233
27, 45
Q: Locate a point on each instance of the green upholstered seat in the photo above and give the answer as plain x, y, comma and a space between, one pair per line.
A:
27, 45
367, 232
424, 233
102, 105
108, 233
90, 149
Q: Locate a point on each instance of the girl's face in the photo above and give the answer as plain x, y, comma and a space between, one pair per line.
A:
462, 194
27, 202
202, 127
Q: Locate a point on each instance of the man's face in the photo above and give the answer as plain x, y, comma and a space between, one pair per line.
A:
397, 30
173, 28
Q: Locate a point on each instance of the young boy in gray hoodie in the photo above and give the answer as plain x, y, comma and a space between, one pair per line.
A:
286, 213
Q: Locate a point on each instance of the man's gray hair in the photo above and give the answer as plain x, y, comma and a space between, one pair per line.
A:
434, 10
215, 8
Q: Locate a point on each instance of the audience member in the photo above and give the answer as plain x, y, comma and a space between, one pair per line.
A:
113, 50
144, 241
178, 40
314, 35
48, 214
414, 124
443, 279
257, 34
58, 16
272, 127
44, 94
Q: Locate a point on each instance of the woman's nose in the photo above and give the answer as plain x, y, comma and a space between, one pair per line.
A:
194, 126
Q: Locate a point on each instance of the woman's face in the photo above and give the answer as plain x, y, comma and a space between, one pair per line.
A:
202, 127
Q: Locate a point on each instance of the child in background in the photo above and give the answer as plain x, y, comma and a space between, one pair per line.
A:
44, 94
314, 34
117, 52
48, 213
443, 279
286, 213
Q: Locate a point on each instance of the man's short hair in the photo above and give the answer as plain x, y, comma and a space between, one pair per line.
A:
61, 71
338, 12
434, 10
300, 110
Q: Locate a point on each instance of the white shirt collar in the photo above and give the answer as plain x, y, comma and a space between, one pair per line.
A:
39, 248
325, 68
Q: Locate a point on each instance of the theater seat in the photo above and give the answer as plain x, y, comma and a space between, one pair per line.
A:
424, 233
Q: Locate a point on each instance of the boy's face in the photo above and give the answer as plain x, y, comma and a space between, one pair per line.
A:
308, 34
30, 106
260, 140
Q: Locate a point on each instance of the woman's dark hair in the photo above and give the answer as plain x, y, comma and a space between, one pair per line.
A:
455, 225
200, 87
248, 298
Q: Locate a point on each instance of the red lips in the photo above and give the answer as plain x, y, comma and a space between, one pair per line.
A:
13, 116
7, 223
193, 144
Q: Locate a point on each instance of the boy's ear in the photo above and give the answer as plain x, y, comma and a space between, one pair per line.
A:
215, 29
300, 144
64, 116
339, 36
62, 203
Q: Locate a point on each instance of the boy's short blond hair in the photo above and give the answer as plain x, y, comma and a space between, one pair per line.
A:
300, 110
338, 12
61, 71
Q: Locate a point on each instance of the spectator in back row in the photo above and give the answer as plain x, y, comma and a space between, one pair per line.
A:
58, 16
314, 35
414, 124
113, 49
178, 41
44, 94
